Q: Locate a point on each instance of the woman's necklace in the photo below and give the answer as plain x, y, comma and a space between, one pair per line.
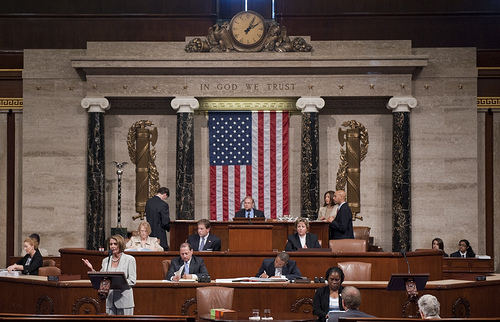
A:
116, 260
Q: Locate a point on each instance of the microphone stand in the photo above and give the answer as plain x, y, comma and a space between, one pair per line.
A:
110, 253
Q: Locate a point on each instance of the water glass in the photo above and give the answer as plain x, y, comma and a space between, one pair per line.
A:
255, 313
267, 313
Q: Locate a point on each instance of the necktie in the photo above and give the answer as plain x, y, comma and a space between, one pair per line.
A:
463, 255
186, 268
248, 214
202, 244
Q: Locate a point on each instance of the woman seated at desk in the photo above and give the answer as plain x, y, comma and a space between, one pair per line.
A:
464, 250
144, 241
328, 298
31, 262
302, 239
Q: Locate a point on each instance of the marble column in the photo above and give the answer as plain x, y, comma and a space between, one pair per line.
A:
401, 172
96, 107
309, 178
185, 107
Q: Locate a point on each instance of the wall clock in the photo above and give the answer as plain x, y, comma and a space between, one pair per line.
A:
248, 30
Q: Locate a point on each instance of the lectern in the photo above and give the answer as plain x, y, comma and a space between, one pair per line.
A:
104, 281
412, 283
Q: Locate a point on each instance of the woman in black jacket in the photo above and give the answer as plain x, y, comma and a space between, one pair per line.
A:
31, 262
328, 298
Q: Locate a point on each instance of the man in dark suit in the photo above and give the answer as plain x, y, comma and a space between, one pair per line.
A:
192, 267
158, 217
277, 267
203, 240
248, 210
351, 300
341, 226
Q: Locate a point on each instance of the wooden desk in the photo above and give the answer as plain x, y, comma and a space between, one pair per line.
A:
243, 317
34, 294
180, 230
467, 268
250, 237
234, 264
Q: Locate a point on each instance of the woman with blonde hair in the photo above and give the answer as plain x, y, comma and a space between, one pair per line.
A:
31, 262
144, 241
302, 239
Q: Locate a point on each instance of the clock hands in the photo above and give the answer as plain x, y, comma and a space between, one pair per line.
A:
251, 25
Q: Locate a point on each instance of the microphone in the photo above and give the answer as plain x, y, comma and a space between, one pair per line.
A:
403, 252
110, 253
249, 218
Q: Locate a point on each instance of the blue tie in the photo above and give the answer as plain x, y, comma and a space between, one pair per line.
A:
202, 244
186, 268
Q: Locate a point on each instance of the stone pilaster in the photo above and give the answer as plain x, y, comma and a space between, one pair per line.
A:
185, 107
401, 172
96, 235
309, 180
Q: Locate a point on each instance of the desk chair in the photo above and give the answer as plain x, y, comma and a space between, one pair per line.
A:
213, 297
49, 271
356, 271
166, 266
348, 245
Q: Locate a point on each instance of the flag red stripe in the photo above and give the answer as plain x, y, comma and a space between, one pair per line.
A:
236, 189
213, 192
285, 117
272, 142
261, 162
225, 215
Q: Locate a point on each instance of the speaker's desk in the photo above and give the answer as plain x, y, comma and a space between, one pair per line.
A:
34, 294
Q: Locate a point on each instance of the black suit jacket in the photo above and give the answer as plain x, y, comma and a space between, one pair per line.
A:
212, 242
457, 254
196, 266
32, 268
351, 313
158, 217
290, 270
341, 226
256, 213
321, 302
293, 242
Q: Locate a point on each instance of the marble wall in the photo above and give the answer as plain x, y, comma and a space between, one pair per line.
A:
444, 145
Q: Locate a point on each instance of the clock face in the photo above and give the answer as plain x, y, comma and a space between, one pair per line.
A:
248, 29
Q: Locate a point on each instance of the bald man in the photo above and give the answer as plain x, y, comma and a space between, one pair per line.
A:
341, 226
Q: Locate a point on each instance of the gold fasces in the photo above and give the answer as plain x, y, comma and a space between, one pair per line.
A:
140, 142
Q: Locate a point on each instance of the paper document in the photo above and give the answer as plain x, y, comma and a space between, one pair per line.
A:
179, 272
251, 280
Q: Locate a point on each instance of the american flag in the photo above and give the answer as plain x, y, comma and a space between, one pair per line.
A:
248, 157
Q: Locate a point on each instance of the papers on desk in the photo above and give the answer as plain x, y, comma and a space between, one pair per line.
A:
5, 272
139, 250
483, 257
252, 280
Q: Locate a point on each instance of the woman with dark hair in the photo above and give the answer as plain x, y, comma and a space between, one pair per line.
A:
464, 250
118, 302
31, 262
437, 243
328, 212
328, 299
